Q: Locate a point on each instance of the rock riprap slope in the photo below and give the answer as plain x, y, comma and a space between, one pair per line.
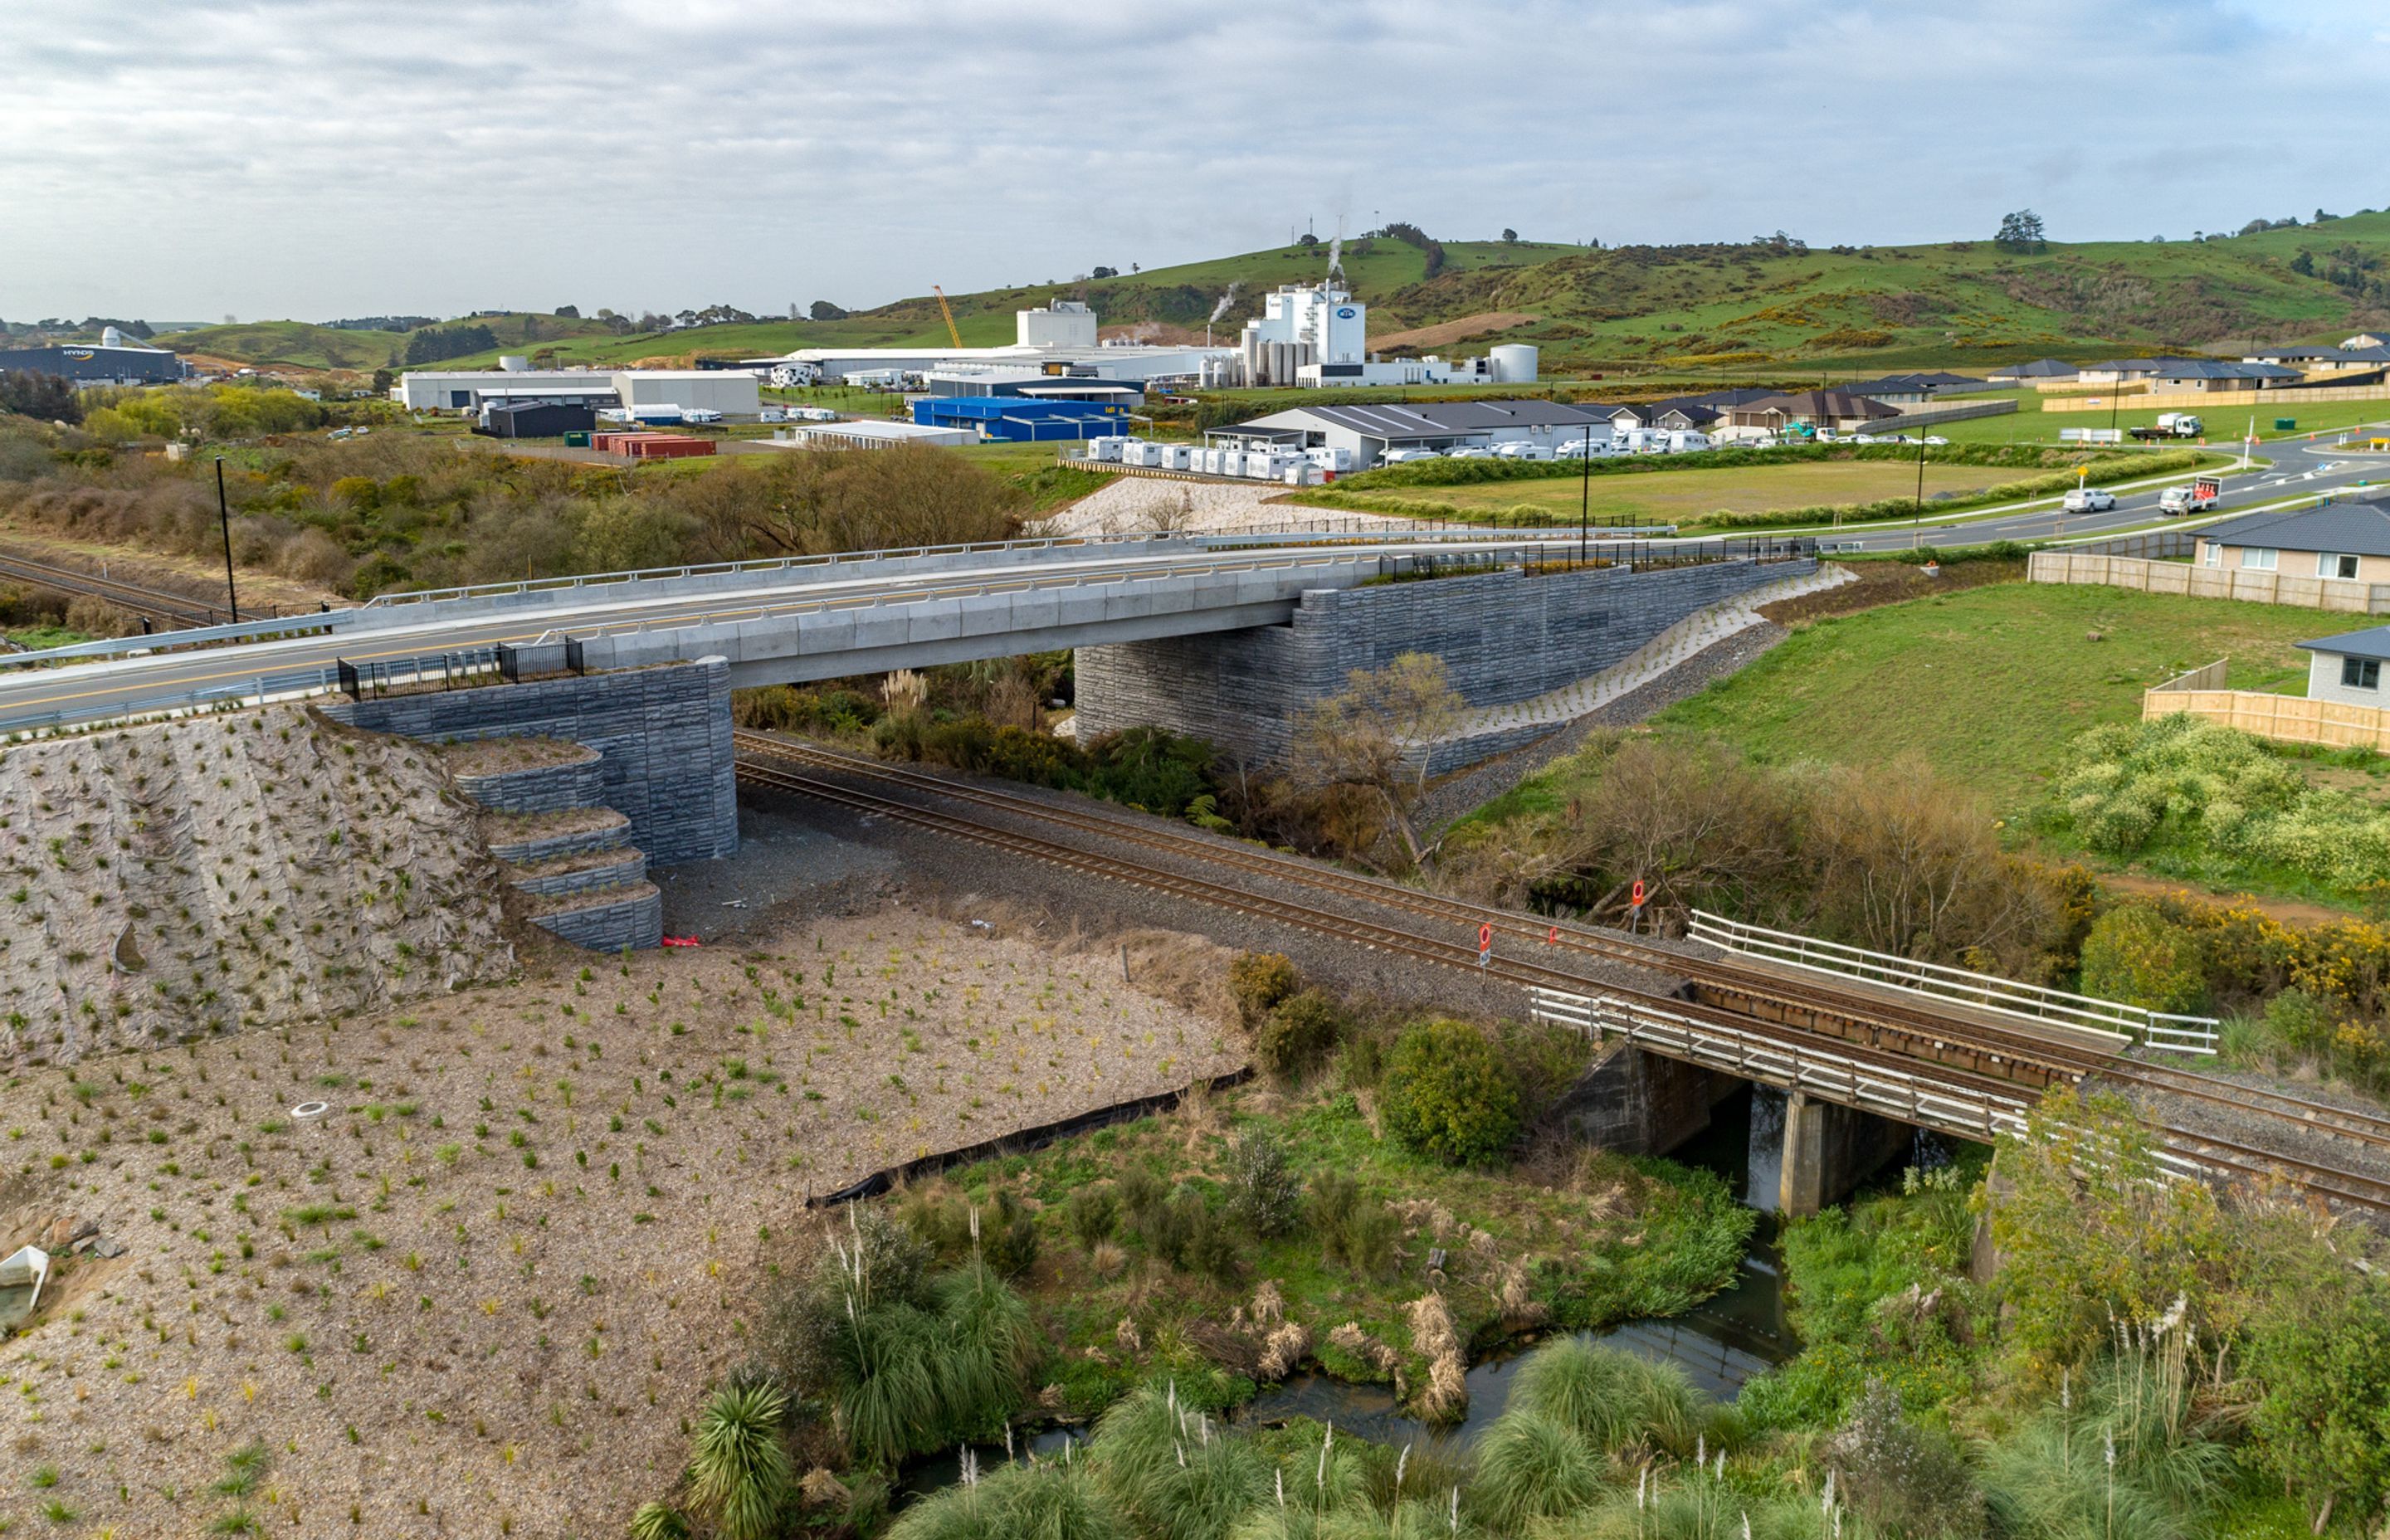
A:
216, 873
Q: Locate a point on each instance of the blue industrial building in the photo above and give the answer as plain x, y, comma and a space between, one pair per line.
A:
1023, 420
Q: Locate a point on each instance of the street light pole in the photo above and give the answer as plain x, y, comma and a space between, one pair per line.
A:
1585, 494
224, 517
1919, 514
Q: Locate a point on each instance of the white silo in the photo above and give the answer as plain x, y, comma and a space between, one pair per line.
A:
1515, 363
515, 363
110, 338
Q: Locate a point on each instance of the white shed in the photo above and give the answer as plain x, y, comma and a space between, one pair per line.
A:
2347, 669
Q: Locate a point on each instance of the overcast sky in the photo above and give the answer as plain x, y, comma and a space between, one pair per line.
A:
330, 157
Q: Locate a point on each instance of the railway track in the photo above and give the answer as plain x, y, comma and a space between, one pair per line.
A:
2224, 1155
152, 602
2032, 1057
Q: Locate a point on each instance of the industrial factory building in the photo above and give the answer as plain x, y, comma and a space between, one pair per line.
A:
1318, 335
113, 362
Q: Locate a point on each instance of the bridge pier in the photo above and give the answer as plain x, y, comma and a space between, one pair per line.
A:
1829, 1149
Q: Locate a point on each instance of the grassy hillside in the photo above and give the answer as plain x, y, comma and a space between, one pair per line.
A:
1715, 308
292, 344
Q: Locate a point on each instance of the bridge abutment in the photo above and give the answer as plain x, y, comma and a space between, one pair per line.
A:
1641, 1103
1829, 1149
1505, 637
658, 786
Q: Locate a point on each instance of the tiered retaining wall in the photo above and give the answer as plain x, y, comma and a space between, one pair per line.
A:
662, 736
1504, 637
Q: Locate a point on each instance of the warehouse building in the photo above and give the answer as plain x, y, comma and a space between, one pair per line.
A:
111, 362
1060, 338
1023, 420
879, 434
1366, 433
535, 420
731, 392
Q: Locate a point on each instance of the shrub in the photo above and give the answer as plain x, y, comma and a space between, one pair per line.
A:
1259, 982
1263, 1190
1530, 1467
739, 1469
1898, 1475
2137, 955
1091, 1214
1294, 1035
1447, 1096
1008, 1235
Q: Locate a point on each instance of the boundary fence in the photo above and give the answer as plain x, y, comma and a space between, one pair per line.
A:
2337, 595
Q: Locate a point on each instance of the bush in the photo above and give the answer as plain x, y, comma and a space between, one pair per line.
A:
1263, 1190
1447, 1095
2137, 955
1298, 1033
1091, 1214
1259, 982
1356, 1231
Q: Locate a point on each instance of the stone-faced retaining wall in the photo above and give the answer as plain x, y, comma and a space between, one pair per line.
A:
629, 917
1504, 637
573, 784
534, 845
662, 736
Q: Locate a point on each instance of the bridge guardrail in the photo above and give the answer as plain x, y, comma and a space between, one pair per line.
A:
287, 625
1818, 1073
2117, 1024
471, 664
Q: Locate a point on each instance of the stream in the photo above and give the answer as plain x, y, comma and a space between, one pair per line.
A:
1719, 1344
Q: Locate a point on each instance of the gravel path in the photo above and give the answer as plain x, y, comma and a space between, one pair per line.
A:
1128, 504
1483, 783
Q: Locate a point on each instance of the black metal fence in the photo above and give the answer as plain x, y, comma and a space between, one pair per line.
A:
445, 670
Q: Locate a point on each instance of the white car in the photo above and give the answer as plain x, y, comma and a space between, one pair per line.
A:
2089, 500
1934, 441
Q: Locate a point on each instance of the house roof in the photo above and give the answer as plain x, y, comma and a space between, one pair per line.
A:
2209, 368
1818, 404
1926, 384
2373, 643
2344, 528
2040, 368
2277, 355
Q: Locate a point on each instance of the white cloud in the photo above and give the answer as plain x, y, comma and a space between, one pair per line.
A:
337, 156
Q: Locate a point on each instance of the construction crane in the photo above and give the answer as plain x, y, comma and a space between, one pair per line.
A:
948, 314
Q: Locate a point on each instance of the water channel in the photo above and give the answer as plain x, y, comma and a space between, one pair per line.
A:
1719, 1344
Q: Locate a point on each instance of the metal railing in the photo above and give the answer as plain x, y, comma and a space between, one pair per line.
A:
1818, 1073
287, 625
2113, 1023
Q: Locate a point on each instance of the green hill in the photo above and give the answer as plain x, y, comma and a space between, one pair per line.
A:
1708, 308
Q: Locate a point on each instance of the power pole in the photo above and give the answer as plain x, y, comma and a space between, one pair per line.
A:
224, 517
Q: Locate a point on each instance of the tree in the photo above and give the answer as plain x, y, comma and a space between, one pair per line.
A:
2320, 1346
825, 311
1510, 237
1377, 737
1105, 273
568, 312
2020, 231
1306, 238
382, 380
2304, 264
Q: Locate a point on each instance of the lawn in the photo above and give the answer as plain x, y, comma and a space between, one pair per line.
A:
1687, 497
1990, 683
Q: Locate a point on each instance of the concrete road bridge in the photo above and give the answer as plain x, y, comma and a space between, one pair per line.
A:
810, 618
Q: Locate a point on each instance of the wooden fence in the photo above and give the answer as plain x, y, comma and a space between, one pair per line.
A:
2285, 402
2211, 583
2285, 718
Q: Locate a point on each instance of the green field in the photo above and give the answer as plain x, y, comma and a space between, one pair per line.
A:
1989, 685
2030, 423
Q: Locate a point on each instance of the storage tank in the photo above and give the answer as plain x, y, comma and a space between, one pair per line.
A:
514, 363
1515, 363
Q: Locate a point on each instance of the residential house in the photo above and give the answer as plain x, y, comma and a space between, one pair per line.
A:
1915, 390
1808, 412
2207, 374
2348, 668
2349, 541
2041, 371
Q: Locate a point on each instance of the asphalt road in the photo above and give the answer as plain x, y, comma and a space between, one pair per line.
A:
2300, 470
